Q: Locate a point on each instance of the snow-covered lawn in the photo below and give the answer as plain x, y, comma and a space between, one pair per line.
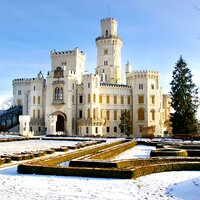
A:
139, 151
30, 145
162, 186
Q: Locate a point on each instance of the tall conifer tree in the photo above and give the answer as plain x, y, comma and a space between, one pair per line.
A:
185, 100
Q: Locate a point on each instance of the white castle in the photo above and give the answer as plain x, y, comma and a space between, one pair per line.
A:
73, 102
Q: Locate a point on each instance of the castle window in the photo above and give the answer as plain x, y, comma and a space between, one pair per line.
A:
80, 113
34, 87
129, 100
153, 115
106, 33
100, 98
105, 62
38, 99
88, 113
152, 86
94, 113
80, 99
122, 99
72, 99
140, 86
33, 99
115, 99
33, 113
19, 92
58, 93
88, 98
115, 115
101, 114
141, 114
115, 129
141, 128
108, 129
88, 85
87, 130
38, 114
96, 130
153, 99
141, 99
108, 115
107, 99
94, 98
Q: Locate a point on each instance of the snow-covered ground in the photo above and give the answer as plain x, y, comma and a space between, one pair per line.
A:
139, 151
30, 145
161, 186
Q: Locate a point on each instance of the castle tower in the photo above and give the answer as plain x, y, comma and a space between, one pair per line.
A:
109, 52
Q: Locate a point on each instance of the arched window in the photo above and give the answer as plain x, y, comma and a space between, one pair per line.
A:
141, 114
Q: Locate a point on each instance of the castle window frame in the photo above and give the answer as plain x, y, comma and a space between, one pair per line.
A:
105, 51
105, 62
140, 99
152, 86
81, 99
115, 129
58, 93
80, 114
141, 86
141, 114
19, 92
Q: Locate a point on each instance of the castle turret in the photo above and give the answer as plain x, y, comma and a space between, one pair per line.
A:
109, 52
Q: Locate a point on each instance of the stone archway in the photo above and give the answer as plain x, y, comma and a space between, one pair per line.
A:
60, 125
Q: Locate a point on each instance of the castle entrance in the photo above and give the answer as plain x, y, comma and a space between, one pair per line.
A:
60, 123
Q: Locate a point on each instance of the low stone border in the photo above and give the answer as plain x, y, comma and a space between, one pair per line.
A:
168, 152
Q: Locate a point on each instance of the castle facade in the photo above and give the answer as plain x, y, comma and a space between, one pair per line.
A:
73, 102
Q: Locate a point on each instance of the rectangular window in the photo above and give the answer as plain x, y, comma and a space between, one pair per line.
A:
38, 99
122, 99
115, 129
94, 98
105, 62
115, 99
33, 113
80, 99
107, 99
38, 114
88, 98
96, 130
101, 114
141, 99
115, 115
94, 113
100, 98
80, 113
19, 92
33, 99
108, 129
87, 130
152, 86
88, 113
88, 85
140, 86
129, 100
141, 128
108, 115
72, 99
153, 99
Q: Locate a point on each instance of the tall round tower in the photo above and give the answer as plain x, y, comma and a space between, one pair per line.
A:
109, 52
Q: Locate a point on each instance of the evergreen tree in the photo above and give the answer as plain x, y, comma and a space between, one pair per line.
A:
185, 100
126, 123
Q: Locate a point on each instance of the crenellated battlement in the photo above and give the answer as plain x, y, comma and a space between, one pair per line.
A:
110, 85
69, 52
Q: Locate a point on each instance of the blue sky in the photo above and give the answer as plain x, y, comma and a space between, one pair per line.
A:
154, 33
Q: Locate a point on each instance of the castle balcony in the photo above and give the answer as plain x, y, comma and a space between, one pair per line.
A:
91, 122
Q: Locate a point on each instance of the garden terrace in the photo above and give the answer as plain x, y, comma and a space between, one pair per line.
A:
90, 162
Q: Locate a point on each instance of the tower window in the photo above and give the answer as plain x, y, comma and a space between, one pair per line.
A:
106, 33
105, 62
80, 99
58, 93
140, 86
105, 51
